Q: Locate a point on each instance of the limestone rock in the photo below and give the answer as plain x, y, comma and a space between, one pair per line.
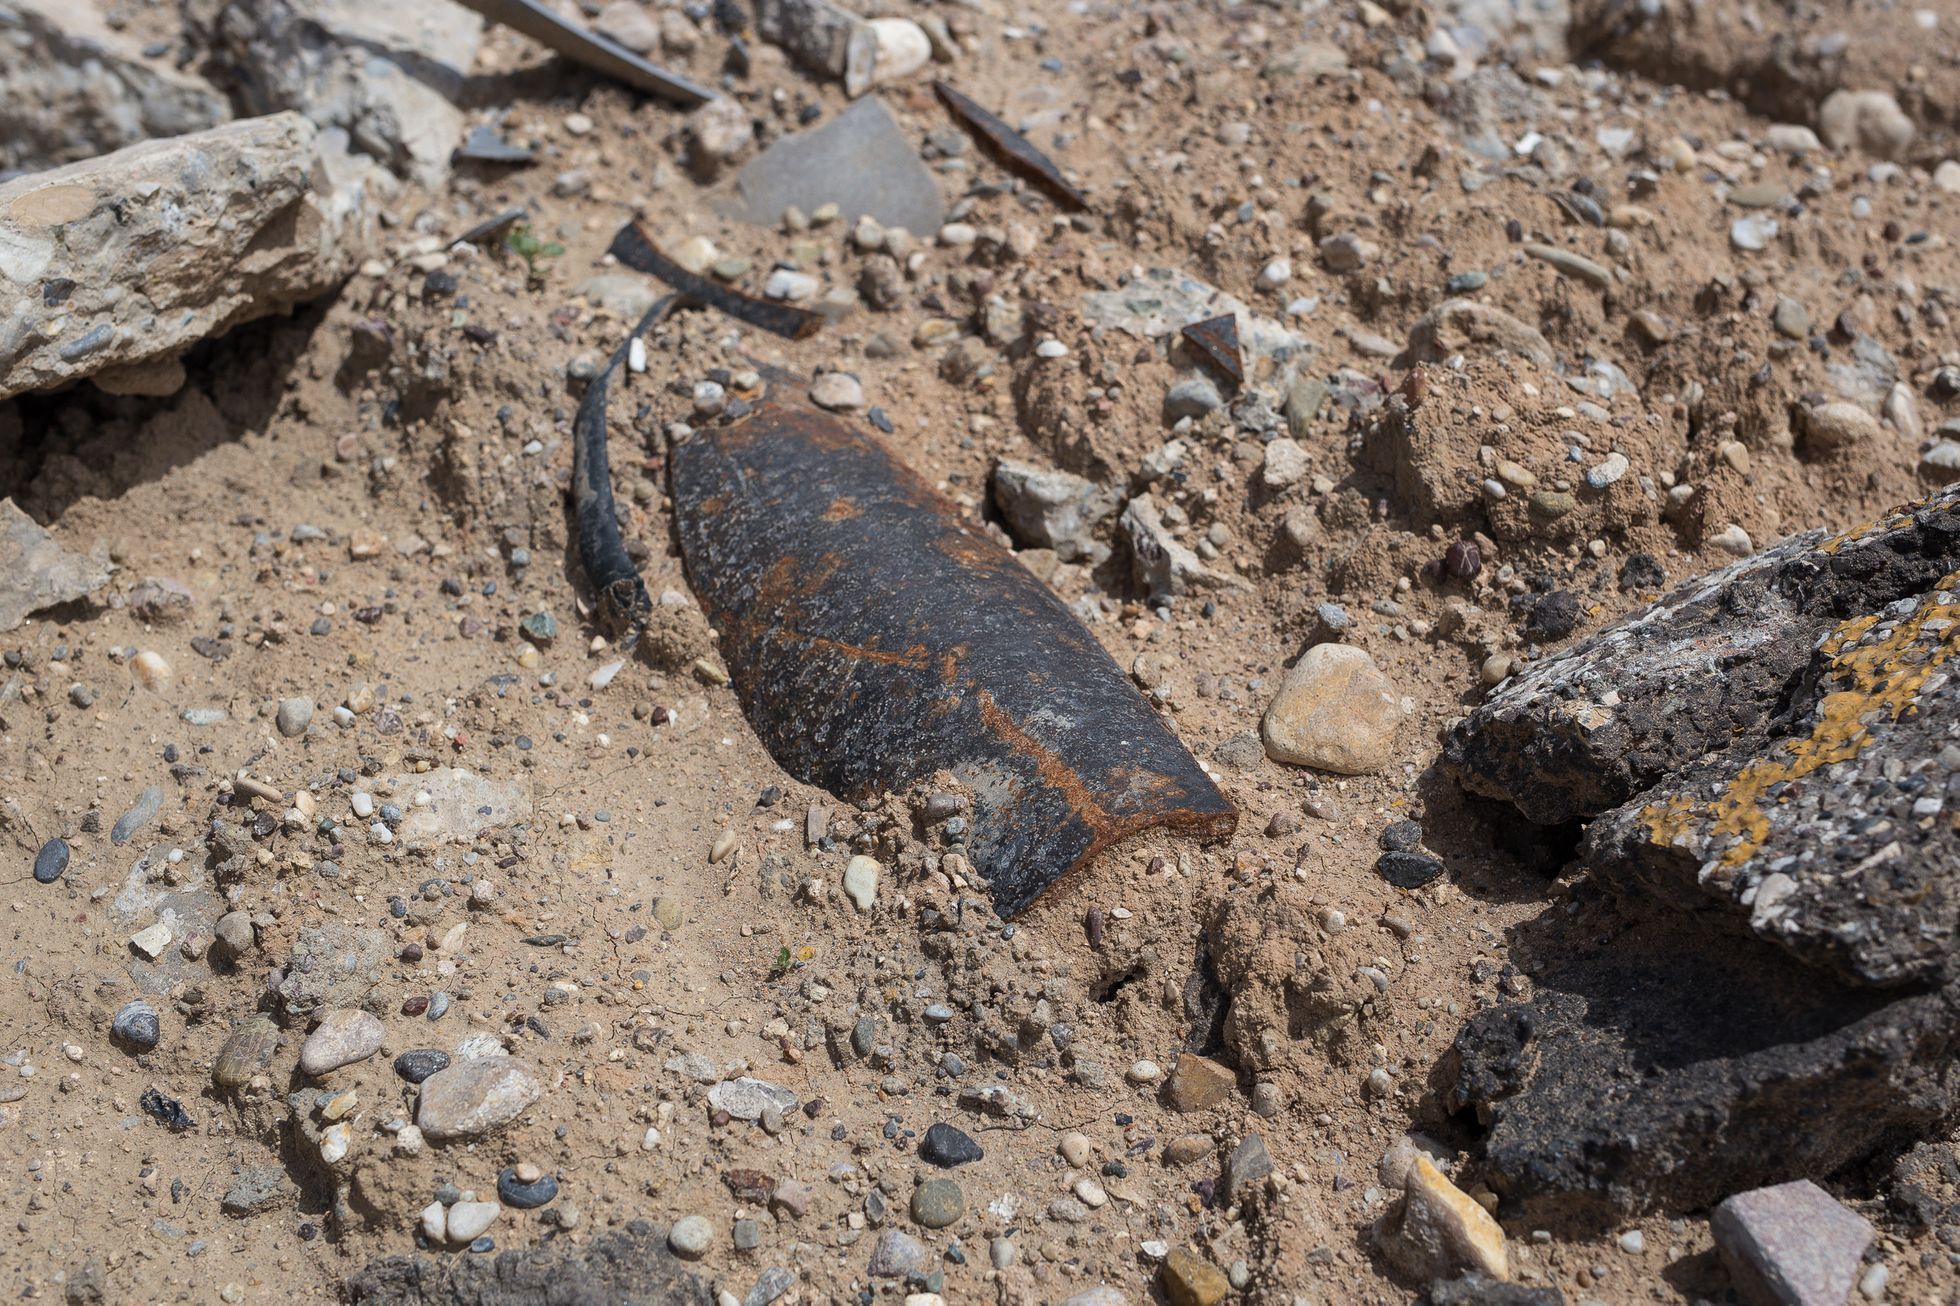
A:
1054, 510
390, 77
77, 88
1161, 564
160, 245
1335, 711
1437, 1230
476, 1097
1791, 1245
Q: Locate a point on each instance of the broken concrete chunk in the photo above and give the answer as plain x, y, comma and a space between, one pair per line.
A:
860, 161
1437, 1230
1054, 510
36, 572
76, 88
1164, 301
1791, 1245
143, 252
390, 76
1162, 566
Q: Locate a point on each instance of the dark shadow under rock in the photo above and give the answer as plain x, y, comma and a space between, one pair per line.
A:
627, 1267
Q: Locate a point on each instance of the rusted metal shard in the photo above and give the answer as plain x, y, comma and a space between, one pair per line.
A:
576, 43
636, 250
491, 226
1013, 147
1217, 338
876, 637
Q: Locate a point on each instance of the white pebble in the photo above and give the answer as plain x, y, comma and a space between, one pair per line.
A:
1145, 1072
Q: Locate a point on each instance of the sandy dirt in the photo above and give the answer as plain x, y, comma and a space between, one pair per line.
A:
359, 505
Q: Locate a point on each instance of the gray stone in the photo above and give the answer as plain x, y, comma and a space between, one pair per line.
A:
746, 1099
771, 1284
77, 88
937, 1203
141, 813
1791, 1245
165, 243
332, 966
823, 38
35, 571
136, 1025
1248, 1164
1056, 510
1573, 265
860, 160
630, 24
389, 77
897, 1255
294, 715
719, 134
691, 1236
1193, 396
476, 1097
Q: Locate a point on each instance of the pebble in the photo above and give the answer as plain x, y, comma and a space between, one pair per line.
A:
1194, 396
294, 715
1633, 1242
1199, 1083
1575, 265
246, 1052
435, 1223
1335, 711
152, 669
1408, 870
1144, 1072
1001, 1253
52, 861
943, 1145
234, 933
861, 881
1276, 274
475, 1097
468, 1220
1075, 1149
897, 1255
1790, 318
792, 286
837, 391
525, 1187
902, 49
340, 1039
137, 1025
691, 1237
937, 1203
1753, 233
1790, 138
1607, 472
1830, 427
148, 804
1249, 1163
1191, 1280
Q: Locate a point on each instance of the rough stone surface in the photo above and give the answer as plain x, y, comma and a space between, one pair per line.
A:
1791, 1245
389, 77
258, 1188
1047, 509
1161, 564
1437, 1230
77, 88
897, 1255
1759, 756
1191, 1280
1335, 711
36, 572
165, 243
747, 1099
476, 1097
623, 1267
1198, 1083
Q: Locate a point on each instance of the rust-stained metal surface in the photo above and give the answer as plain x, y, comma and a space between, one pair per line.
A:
635, 249
1012, 147
1217, 338
876, 637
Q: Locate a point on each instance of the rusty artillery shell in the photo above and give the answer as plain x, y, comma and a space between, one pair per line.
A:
876, 637
247, 1052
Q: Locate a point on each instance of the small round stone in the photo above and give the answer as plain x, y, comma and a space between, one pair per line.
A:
137, 1025
691, 1237
937, 1203
946, 1146
1145, 1072
52, 861
294, 715
525, 1193
417, 1064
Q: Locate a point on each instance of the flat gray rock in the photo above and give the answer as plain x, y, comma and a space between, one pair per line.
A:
36, 572
747, 1099
1791, 1245
859, 160
624, 1267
